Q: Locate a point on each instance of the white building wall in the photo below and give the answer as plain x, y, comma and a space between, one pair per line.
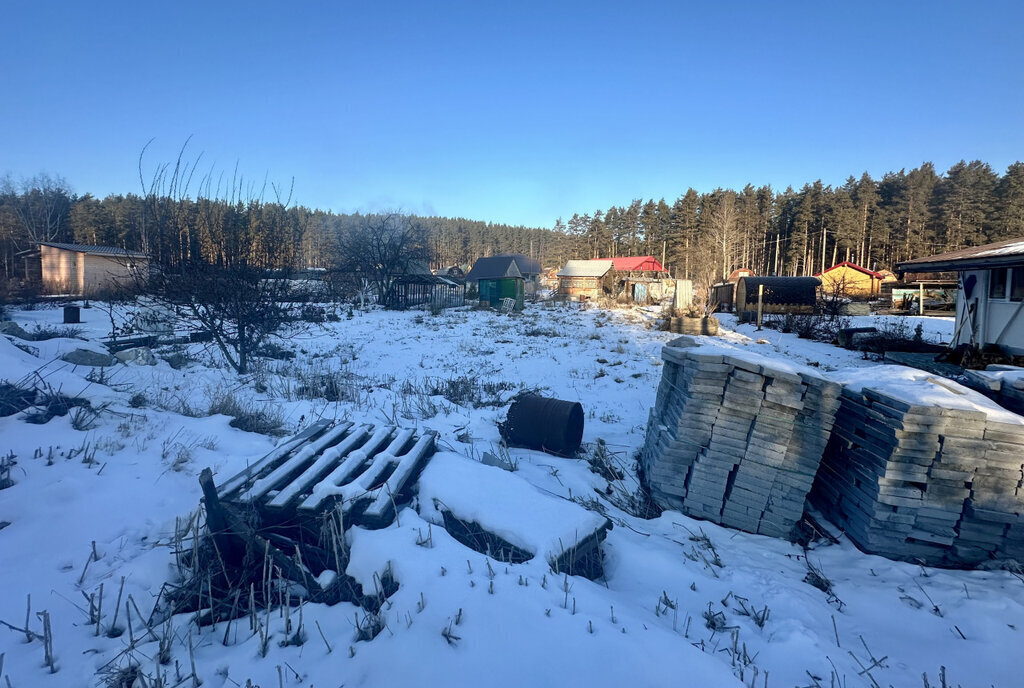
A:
998, 321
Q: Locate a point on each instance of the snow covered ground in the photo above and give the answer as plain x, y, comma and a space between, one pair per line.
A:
647, 624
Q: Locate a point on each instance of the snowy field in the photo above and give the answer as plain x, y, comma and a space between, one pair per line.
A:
647, 623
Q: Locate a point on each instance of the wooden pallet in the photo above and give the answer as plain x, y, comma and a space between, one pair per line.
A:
365, 471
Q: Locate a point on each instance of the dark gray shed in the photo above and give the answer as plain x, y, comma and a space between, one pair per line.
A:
781, 294
498, 278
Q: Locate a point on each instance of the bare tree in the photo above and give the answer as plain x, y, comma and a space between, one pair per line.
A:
41, 204
233, 258
241, 306
722, 226
381, 247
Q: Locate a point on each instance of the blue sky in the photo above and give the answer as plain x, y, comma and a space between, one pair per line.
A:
512, 112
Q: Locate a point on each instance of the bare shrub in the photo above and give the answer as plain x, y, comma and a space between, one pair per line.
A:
6, 464
179, 359
14, 398
469, 391
50, 403
84, 417
814, 326
249, 416
176, 449
41, 333
546, 332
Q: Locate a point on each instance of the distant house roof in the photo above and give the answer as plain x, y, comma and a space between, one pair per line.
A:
630, 263
586, 268
417, 267
998, 254
735, 275
452, 271
115, 251
852, 266
528, 267
494, 267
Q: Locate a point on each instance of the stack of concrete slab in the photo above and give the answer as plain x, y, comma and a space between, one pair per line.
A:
1002, 383
923, 469
736, 437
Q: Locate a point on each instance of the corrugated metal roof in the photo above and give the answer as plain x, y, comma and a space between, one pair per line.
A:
852, 266
628, 263
95, 250
1009, 251
493, 267
586, 268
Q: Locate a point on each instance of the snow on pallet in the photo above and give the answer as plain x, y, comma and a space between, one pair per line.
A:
287, 514
362, 469
923, 469
498, 513
736, 438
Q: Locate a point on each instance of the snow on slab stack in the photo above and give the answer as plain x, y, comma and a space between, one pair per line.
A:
923, 469
1004, 383
736, 437
498, 513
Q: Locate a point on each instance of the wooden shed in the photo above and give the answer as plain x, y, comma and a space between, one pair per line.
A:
87, 270
781, 294
585, 279
850, 279
498, 278
640, 279
723, 294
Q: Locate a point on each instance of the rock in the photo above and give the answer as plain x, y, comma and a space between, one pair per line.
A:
93, 359
13, 329
855, 308
140, 355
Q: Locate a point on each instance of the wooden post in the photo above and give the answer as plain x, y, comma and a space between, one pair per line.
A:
760, 304
216, 520
920, 298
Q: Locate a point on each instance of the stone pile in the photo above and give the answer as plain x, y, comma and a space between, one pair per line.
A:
736, 438
924, 470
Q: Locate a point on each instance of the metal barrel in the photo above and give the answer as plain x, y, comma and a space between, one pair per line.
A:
550, 425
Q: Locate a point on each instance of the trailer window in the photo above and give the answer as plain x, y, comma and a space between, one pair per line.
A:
997, 283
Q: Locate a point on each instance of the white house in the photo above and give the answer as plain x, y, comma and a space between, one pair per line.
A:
990, 295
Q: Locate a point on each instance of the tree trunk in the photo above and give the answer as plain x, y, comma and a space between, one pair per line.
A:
824, 234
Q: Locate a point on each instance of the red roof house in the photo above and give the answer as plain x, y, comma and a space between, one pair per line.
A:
637, 263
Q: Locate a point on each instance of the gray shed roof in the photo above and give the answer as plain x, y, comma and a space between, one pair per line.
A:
999, 254
527, 266
116, 251
585, 268
494, 267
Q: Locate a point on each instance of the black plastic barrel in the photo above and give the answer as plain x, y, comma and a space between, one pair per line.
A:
550, 425
72, 315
